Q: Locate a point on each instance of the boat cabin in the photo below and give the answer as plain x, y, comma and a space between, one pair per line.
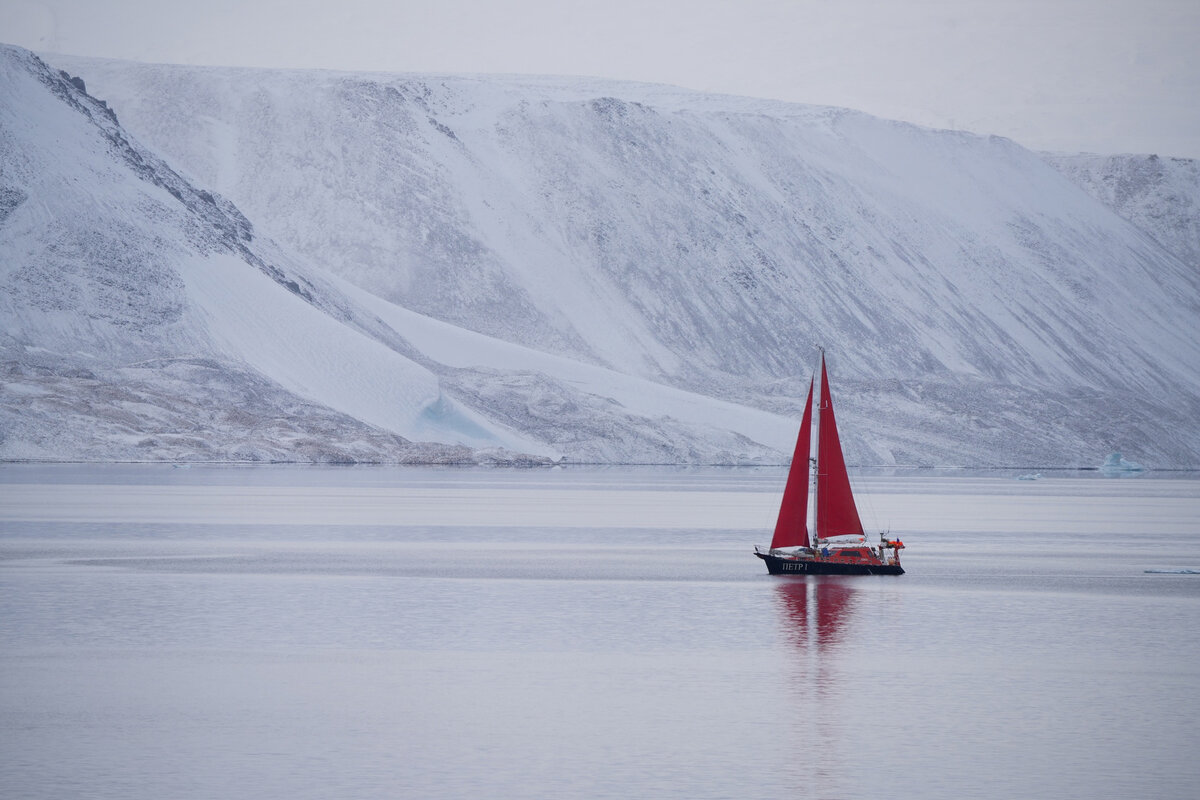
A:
855, 554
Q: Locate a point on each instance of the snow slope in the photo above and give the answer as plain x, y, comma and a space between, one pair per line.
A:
1159, 195
111, 261
627, 272
143, 318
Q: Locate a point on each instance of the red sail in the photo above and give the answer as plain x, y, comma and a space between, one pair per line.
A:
791, 530
836, 512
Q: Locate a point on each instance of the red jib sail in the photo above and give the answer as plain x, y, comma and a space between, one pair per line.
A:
836, 513
791, 529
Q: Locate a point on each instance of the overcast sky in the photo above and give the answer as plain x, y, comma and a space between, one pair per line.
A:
1072, 75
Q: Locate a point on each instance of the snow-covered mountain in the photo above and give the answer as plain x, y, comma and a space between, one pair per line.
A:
607, 271
143, 318
1159, 195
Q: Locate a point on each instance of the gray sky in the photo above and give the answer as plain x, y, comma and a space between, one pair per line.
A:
1102, 76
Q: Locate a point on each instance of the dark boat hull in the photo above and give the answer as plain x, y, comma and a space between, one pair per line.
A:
805, 566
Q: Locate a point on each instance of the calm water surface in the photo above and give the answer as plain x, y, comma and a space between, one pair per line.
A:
291, 632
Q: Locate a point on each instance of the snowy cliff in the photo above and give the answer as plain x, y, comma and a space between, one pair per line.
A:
606, 271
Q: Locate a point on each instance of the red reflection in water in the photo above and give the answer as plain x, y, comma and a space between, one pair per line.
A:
813, 605
792, 595
815, 612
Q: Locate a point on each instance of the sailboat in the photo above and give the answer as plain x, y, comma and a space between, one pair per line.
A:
837, 545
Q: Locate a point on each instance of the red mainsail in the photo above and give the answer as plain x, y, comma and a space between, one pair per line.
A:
791, 529
836, 513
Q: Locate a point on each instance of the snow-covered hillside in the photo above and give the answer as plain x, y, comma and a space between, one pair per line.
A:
141, 317
624, 272
1159, 195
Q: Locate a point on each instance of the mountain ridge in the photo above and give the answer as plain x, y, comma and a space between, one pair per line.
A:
99, 331
136, 325
978, 307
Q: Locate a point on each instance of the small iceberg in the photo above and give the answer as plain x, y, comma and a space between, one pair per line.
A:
1033, 476
1174, 571
1116, 464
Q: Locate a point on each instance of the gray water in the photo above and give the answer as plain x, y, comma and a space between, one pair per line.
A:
288, 632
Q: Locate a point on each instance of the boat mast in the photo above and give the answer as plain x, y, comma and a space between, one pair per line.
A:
816, 462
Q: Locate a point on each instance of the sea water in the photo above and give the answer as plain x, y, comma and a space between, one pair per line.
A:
583, 632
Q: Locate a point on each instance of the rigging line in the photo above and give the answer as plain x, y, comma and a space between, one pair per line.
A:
866, 498
770, 513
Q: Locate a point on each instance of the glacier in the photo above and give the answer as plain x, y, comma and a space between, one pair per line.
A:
301, 265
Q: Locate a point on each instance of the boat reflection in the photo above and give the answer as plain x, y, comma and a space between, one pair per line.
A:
815, 613
815, 610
